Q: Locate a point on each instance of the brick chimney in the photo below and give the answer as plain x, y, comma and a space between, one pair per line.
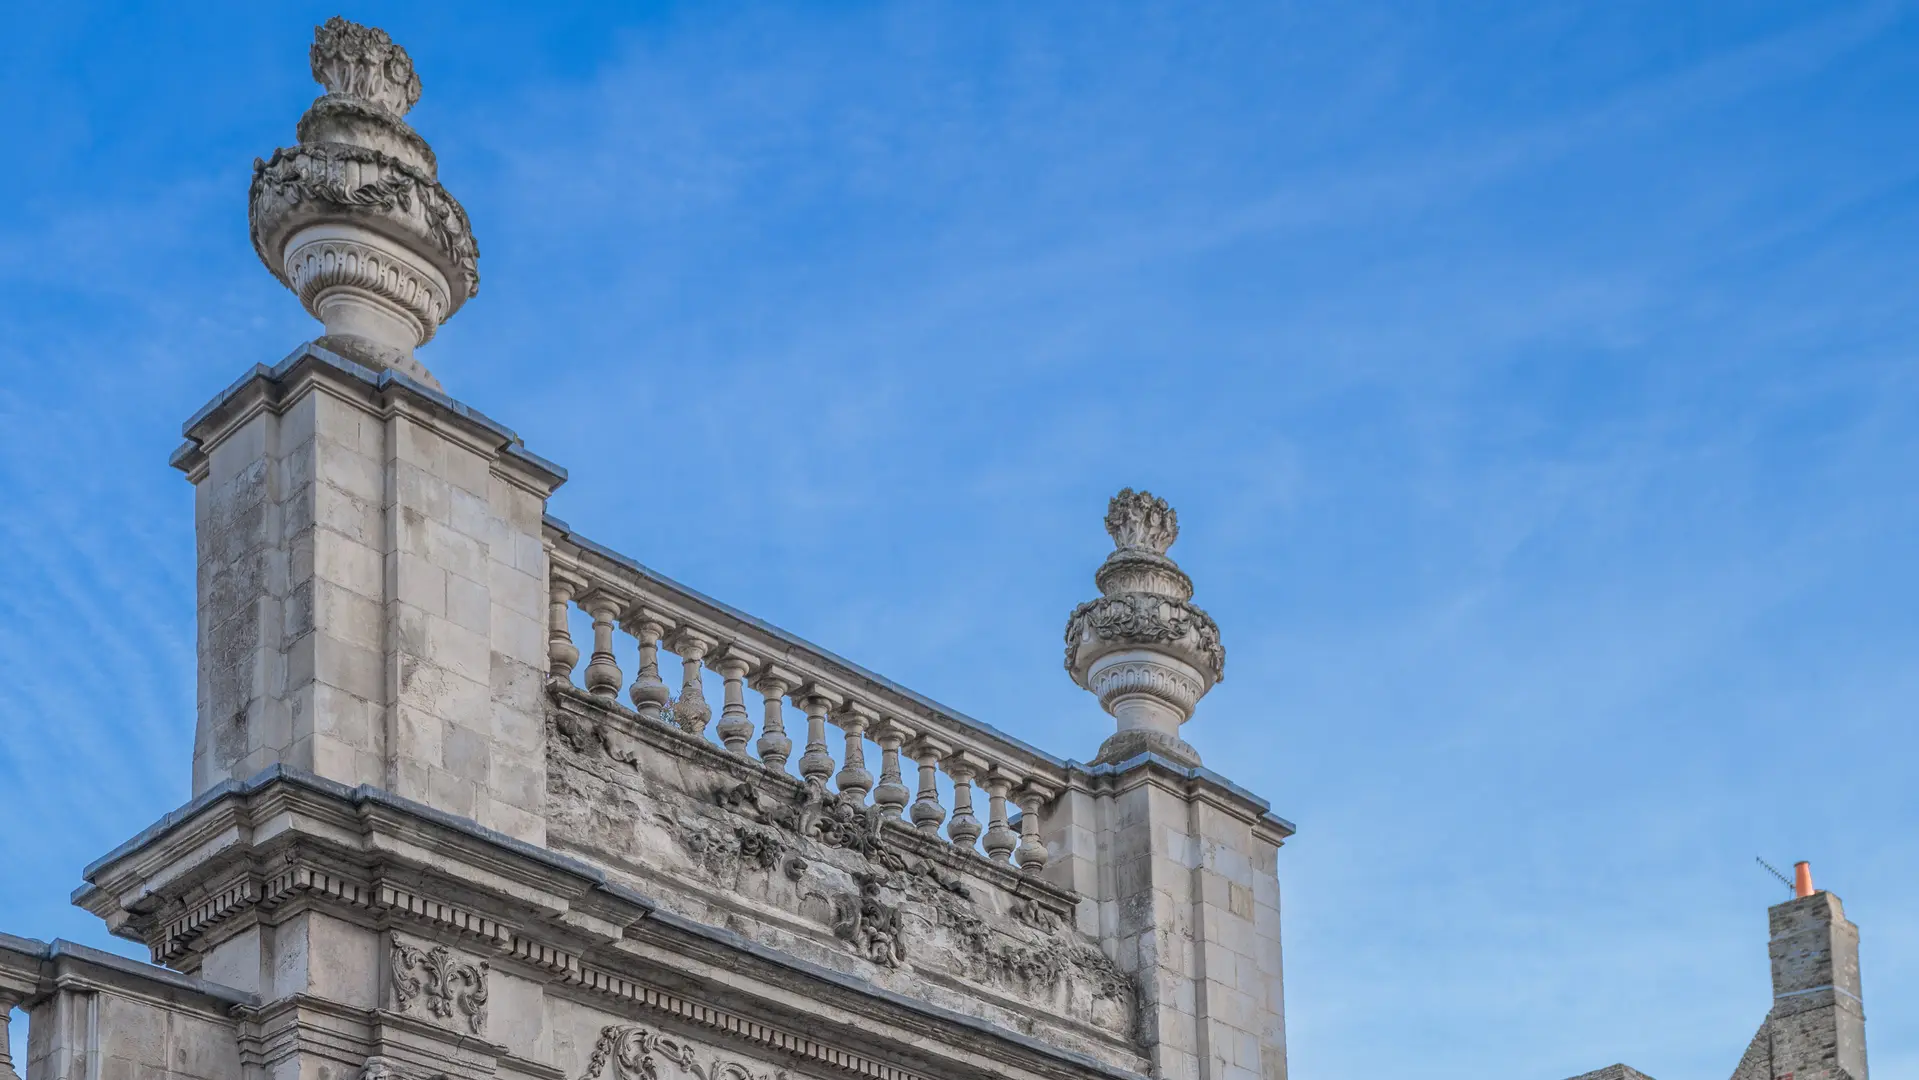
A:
1817, 1027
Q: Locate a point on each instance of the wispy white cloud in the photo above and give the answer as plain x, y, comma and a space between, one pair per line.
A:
1534, 390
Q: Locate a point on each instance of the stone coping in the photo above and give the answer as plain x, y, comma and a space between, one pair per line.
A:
1194, 774
378, 381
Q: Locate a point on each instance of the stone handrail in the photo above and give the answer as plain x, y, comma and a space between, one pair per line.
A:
618, 593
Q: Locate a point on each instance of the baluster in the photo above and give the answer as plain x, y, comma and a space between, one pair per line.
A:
691, 712
963, 830
1000, 838
774, 747
735, 726
1031, 853
9, 1000
602, 673
649, 692
927, 811
854, 779
561, 653
816, 764
891, 795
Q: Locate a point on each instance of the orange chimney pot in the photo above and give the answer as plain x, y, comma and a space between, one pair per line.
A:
1802, 879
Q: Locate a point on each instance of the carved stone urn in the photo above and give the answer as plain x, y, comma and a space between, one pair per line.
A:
353, 218
1143, 647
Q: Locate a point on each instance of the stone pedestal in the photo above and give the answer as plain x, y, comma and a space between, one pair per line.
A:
372, 590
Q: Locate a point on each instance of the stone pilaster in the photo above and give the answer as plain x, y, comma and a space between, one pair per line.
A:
373, 598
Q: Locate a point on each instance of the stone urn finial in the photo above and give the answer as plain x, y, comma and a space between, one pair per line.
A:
352, 217
1143, 647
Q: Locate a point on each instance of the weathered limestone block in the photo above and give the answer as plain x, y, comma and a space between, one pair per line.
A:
372, 590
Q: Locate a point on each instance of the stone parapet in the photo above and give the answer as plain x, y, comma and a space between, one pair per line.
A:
585, 569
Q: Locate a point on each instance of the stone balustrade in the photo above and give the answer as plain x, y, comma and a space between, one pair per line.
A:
987, 769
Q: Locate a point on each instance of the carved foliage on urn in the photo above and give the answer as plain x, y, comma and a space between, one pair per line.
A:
363, 62
1143, 646
1145, 619
1139, 520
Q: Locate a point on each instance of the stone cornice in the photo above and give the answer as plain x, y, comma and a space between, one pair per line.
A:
260, 849
311, 367
285, 833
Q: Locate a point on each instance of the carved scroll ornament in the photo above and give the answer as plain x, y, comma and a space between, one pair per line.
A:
635, 1052
449, 987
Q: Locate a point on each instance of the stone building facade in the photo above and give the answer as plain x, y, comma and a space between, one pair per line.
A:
433, 834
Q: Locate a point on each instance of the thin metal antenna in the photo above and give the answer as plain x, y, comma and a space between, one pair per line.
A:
1774, 871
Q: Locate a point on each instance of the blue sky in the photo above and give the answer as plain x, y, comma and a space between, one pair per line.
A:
1536, 384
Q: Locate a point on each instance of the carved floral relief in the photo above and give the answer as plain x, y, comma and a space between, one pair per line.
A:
448, 987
